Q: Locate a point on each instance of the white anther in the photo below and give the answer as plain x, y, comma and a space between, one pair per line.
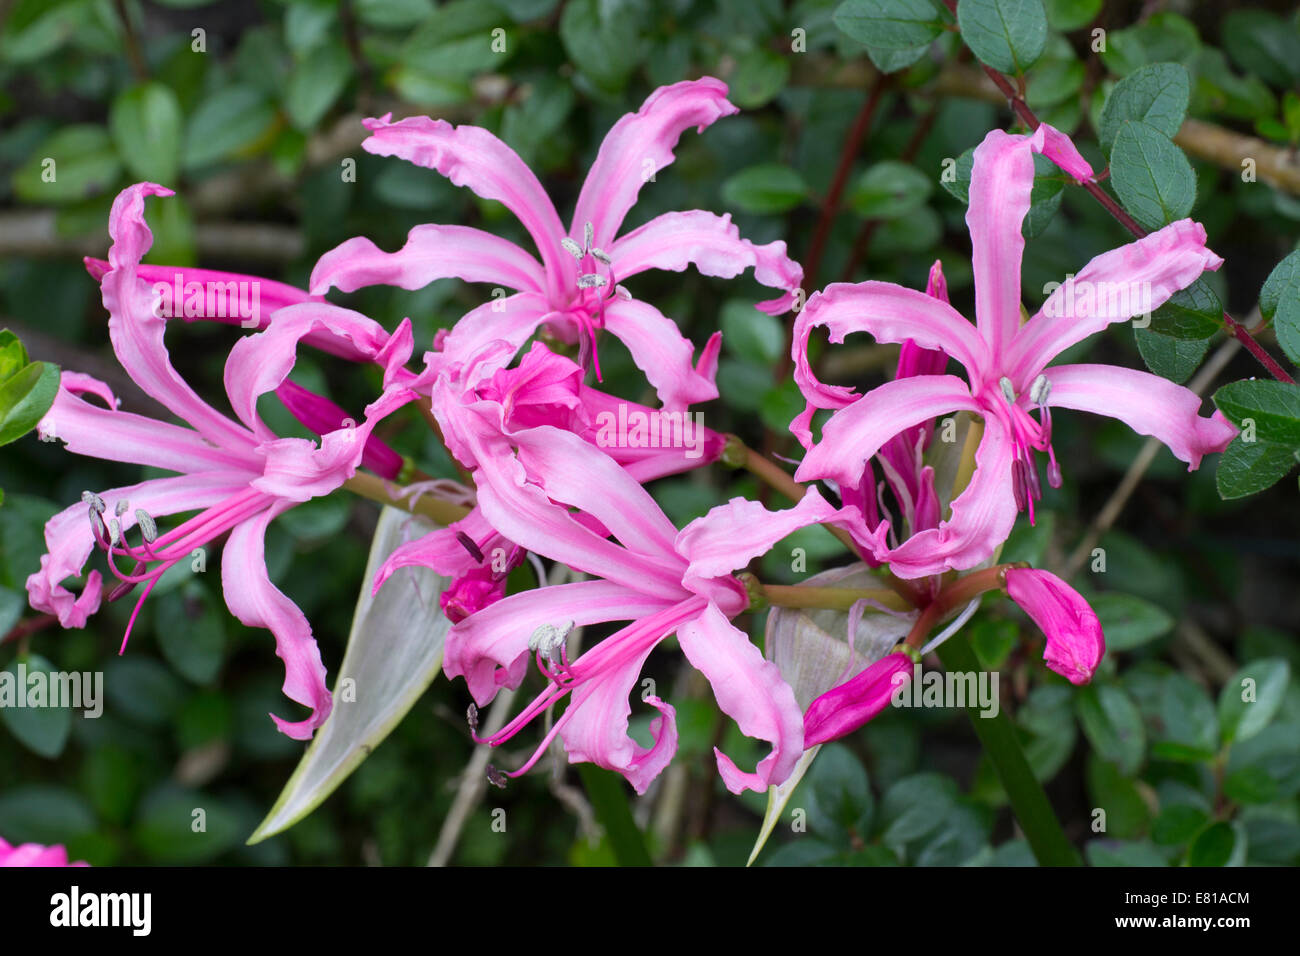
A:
591, 281
148, 527
95, 502
588, 235
122, 507
600, 255
1039, 391
548, 639
572, 248
1008, 392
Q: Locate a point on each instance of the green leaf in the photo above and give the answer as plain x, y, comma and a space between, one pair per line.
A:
760, 75
1156, 95
1173, 358
393, 14
1264, 44
42, 729
1128, 621
72, 164
1008, 35
1286, 323
1213, 846
749, 333
1123, 853
228, 122
1189, 725
1127, 813
1111, 722
1246, 468
1272, 407
889, 190
1193, 314
44, 814
896, 33
1251, 697
1153, 178
1066, 15
838, 796
1177, 824
184, 827
25, 398
145, 122
316, 83
768, 188
143, 690
190, 632
1162, 37
603, 40
394, 653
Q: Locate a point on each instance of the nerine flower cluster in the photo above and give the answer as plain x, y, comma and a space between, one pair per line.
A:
522, 415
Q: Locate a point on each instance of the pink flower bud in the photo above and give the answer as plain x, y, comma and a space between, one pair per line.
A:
1074, 639
318, 414
843, 709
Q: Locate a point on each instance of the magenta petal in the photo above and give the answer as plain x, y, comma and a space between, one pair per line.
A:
843, 709
33, 854
318, 414
639, 145
473, 157
1060, 149
431, 252
257, 602
1149, 404
1075, 643
751, 691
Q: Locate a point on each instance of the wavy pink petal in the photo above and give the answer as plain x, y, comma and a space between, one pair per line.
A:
431, 252
1115, 286
638, 146
711, 243
473, 157
855, 433
661, 351
981, 518
1149, 404
751, 691
257, 602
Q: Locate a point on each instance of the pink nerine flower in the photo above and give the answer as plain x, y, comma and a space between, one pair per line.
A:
574, 290
1005, 363
560, 497
1075, 643
238, 475
33, 854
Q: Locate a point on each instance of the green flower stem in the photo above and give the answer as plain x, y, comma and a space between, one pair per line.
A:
834, 599
386, 493
1028, 800
609, 799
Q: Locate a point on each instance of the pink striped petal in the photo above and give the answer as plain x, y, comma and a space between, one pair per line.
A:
137, 332
855, 433
473, 157
431, 252
1115, 286
711, 243
1001, 180
982, 516
318, 414
638, 146
1149, 404
257, 602
751, 691
665, 355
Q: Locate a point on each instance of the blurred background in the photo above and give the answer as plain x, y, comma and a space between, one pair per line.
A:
249, 110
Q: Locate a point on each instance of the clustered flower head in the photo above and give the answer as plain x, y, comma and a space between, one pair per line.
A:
515, 388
